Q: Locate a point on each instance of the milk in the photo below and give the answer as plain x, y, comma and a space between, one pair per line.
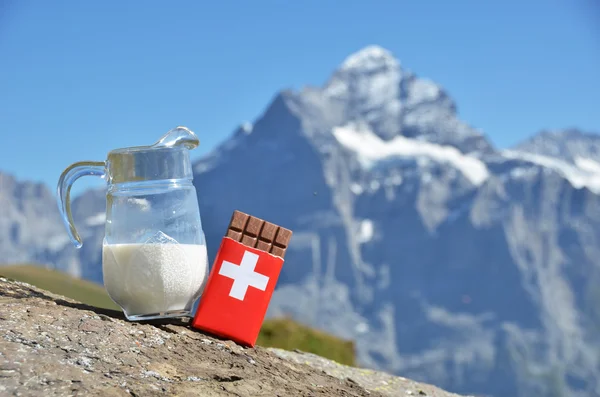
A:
154, 278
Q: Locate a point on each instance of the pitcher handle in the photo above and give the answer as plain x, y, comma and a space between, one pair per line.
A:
67, 178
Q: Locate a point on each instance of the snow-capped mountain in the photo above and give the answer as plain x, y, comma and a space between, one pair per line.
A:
31, 229
446, 260
23, 205
572, 153
570, 145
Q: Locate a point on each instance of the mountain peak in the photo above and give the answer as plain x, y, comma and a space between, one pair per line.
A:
371, 87
368, 82
566, 133
372, 57
568, 144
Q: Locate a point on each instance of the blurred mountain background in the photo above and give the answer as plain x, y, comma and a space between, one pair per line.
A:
461, 256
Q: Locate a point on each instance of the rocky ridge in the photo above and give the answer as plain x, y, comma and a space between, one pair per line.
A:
56, 346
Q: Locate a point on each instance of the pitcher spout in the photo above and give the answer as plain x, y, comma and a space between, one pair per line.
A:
179, 136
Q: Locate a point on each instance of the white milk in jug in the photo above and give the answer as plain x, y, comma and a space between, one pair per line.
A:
154, 278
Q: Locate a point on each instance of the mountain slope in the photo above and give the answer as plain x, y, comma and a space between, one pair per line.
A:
445, 259
31, 229
573, 154
571, 145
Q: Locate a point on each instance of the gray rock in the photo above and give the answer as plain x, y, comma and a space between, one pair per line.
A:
381, 382
54, 346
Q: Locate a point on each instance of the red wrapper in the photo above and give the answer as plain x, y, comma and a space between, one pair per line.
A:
238, 292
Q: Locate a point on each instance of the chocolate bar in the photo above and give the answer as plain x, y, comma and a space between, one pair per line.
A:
258, 233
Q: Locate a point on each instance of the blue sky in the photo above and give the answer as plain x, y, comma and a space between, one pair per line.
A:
78, 78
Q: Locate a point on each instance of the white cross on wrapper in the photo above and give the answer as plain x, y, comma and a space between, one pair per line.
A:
244, 275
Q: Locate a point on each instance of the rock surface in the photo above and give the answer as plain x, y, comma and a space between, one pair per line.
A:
386, 384
52, 345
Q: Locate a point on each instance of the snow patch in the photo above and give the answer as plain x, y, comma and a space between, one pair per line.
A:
522, 172
356, 188
96, 220
247, 127
369, 58
423, 90
370, 80
374, 185
585, 174
362, 328
393, 180
588, 165
365, 231
370, 149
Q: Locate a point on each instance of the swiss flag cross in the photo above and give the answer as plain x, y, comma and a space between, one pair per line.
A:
237, 293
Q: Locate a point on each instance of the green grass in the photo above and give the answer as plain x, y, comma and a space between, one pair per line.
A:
61, 283
282, 333
289, 335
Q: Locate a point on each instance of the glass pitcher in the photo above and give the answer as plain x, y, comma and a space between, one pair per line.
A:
154, 258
